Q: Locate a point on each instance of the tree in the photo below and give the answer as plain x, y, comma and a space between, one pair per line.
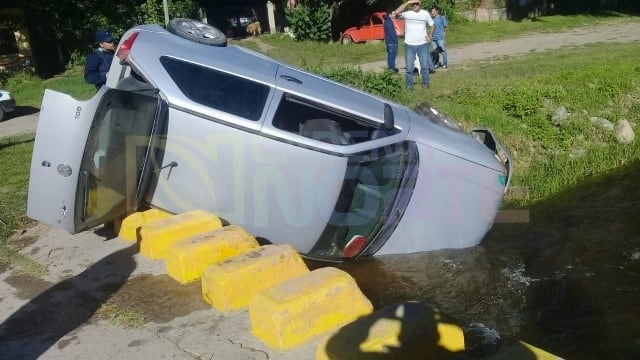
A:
61, 28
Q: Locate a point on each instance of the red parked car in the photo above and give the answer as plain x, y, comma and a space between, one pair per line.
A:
370, 28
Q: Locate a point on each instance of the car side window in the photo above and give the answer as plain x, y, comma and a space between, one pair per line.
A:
217, 89
376, 20
321, 122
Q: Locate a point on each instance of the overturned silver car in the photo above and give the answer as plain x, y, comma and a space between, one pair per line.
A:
290, 156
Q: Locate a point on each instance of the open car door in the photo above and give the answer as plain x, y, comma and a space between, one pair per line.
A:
91, 159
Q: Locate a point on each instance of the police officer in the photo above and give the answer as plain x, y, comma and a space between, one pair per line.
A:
98, 62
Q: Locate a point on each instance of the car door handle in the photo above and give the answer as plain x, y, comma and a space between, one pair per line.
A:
170, 165
291, 79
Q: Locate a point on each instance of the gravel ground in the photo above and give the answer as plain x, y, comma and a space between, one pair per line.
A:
17, 125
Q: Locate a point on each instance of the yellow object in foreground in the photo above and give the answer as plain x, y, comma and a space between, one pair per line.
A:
187, 259
522, 350
290, 314
130, 224
156, 236
230, 285
409, 330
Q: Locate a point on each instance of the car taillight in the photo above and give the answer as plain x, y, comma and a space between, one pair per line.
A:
126, 46
354, 246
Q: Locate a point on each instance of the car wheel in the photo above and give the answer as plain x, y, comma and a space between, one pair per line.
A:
197, 31
1, 114
346, 40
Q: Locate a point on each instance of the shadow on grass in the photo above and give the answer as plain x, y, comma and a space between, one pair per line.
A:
16, 140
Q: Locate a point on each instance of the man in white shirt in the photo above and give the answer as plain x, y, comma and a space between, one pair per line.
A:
416, 41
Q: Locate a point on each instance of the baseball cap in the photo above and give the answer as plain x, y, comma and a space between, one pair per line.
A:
414, 1
103, 35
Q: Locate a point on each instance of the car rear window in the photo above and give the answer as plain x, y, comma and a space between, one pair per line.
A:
217, 89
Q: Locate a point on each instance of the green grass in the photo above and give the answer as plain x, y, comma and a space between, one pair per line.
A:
28, 89
15, 160
517, 99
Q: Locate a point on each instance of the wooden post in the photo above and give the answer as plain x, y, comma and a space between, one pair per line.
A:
271, 16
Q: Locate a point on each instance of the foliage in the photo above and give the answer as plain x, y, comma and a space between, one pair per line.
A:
385, 84
310, 20
448, 8
60, 29
152, 11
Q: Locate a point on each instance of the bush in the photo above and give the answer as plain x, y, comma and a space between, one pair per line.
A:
385, 84
448, 8
311, 20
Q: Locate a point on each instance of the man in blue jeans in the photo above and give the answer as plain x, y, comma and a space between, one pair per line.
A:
391, 40
439, 34
416, 41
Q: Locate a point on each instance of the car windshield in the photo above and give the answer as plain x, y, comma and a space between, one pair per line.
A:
374, 195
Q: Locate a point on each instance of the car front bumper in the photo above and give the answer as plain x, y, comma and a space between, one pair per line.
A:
8, 105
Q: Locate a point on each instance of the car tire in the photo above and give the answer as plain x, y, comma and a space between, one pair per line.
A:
197, 31
1, 114
346, 40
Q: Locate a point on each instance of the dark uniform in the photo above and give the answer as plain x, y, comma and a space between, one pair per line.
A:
98, 62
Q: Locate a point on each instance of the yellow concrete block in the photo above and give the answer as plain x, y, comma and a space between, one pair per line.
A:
230, 285
129, 227
291, 313
187, 259
409, 330
539, 353
156, 236
522, 350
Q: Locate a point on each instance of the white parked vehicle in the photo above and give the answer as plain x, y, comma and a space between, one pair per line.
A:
7, 103
290, 156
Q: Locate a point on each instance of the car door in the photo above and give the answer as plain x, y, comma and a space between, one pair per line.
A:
90, 160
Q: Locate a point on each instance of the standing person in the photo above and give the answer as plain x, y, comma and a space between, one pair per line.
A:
98, 61
416, 41
440, 25
390, 39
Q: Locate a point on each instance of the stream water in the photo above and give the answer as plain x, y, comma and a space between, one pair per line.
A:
568, 281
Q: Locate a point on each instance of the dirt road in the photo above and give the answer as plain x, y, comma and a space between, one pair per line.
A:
526, 44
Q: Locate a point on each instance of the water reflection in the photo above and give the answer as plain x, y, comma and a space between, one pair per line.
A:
567, 282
